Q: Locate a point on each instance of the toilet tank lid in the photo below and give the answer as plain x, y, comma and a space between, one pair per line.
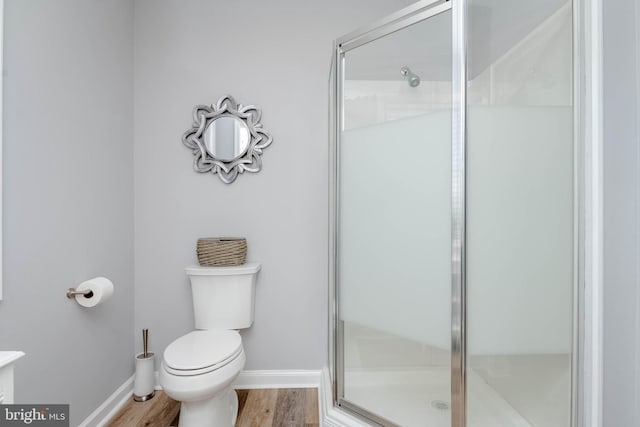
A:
247, 268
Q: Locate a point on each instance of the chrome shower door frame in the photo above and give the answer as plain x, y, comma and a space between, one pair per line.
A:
404, 18
410, 15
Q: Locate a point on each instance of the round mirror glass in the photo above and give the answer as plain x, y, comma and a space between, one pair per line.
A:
227, 138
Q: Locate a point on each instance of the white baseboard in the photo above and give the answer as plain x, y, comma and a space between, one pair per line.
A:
272, 379
111, 406
277, 379
329, 415
246, 380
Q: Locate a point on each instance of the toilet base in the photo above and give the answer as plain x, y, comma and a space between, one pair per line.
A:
220, 411
206, 399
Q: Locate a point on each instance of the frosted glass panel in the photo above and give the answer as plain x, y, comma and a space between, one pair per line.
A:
394, 257
520, 212
395, 245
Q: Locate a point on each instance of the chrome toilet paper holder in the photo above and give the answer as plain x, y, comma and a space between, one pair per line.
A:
72, 292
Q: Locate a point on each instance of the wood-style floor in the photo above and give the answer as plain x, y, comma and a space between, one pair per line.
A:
291, 407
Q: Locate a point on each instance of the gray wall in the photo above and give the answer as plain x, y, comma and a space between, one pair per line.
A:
275, 55
68, 197
621, 215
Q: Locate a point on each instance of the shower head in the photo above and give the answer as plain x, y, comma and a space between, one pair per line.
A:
412, 78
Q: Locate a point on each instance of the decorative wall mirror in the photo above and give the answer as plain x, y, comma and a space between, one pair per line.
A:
226, 139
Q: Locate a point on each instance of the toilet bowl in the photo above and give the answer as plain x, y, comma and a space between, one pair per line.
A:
198, 368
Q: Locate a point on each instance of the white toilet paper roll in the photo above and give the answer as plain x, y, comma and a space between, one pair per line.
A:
101, 287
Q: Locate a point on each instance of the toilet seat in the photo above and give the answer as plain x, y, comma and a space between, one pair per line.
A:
199, 352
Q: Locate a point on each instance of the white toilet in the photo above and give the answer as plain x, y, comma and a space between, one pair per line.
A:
198, 368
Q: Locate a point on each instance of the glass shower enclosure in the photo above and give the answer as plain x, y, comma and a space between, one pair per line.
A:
454, 229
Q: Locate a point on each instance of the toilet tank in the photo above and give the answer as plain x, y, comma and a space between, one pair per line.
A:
223, 297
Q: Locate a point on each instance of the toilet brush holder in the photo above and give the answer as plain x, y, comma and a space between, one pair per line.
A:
144, 381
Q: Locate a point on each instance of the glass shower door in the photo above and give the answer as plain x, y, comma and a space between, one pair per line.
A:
454, 226
394, 223
520, 207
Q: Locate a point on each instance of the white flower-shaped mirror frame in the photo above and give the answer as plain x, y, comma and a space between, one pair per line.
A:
247, 145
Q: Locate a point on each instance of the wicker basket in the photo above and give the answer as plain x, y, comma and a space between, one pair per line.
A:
221, 251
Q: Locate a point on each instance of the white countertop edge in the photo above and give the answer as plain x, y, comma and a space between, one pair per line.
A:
8, 357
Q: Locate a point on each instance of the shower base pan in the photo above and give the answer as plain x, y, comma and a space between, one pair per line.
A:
421, 397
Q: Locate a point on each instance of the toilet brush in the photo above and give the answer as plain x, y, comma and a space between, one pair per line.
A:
144, 380
145, 342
